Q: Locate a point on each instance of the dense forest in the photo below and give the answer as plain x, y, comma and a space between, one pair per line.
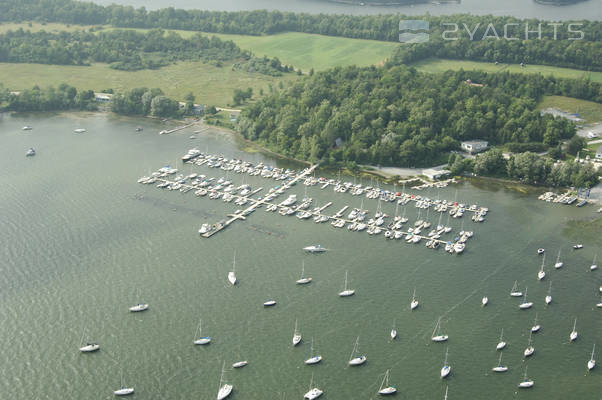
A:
64, 97
398, 116
478, 37
126, 49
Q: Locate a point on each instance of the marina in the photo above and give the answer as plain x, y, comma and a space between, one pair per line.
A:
226, 190
76, 257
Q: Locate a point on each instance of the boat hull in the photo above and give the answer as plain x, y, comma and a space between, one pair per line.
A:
347, 293
224, 392
387, 391
358, 361
500, 369
123, 392
440, 338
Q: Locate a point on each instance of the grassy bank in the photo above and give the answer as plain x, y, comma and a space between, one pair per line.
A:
588, 110
435, 65
210, 84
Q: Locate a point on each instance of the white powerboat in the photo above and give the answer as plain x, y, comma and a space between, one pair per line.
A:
205, 227
315, 249
437, 336
139, 307
541, 251
202, 340
385, 389
574, 335
355, 358
31, 152
578, 246
27, 128
346, 291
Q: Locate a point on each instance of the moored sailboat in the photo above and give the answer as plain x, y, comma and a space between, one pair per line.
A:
549, 295
559, 263
573, 336
313, 392
346, 291
591, 364
445, 371
385, 389
515, 292
201, 340
296, 335
501, 344
500, 367
303, 279
313, 359
232, 274
414, 303
225, 389
437, 336
530, 349
526, 383
525, 304
356, 358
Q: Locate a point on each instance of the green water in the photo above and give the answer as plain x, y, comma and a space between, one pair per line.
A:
81, 241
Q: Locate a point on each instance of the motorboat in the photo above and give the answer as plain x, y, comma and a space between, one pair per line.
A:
27, 128
205, 227
124, 391
541, 251
30, 153
578, 246
139, 307
240, 364
315, 249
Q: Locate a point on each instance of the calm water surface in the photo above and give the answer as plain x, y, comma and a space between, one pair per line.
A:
82, 241
591, 9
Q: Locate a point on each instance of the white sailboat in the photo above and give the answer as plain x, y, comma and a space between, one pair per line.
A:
240, 364
573, 336
437, 336
549, 295
303, 280
202, 339
559, 263
314, 392
536, 327
515, 292
414, 303
500, 367
591, 364
89, 347
385, 389
484, 301
232, 274
530, 349
124, 390
526, 383
356, 358
346, 292
225, 389
140, 306
269, 303
313, 359
393, 331
525, 304
501, 344
542, 274
296, 335
446, 368
594, 266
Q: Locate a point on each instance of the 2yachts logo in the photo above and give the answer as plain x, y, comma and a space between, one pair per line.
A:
414, 26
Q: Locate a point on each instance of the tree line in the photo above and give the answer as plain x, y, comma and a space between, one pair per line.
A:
400, 117
127, 49
478, 37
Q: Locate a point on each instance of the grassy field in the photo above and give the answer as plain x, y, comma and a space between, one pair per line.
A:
303, 50
434, 65
210, 85
588, 110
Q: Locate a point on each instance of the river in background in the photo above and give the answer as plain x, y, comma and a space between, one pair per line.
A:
82, 241
591, 9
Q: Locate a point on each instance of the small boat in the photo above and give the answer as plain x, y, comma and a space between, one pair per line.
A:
139, 129
79, 130
536, 327
346, 292
313, 359
314, 392
225, 389
541, 251
446, 368
559, 263
549, 295
27, 128
591, 363
542, 274
315, 249
139, 307
303, 280
232, 274
530, 349
501, 344
30, 153
269, 303
514, 292
594, 266
385, 389
578, 246
296, 335
393, 332
202, 339
355, 358
525, 304
89, 347
574, 335
500, 367
414, 303
240, 364
437, 336
124, 390
484, 301
205, 227
526, 383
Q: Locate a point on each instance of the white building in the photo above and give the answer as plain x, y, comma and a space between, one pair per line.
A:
434, 174
474, 146
599, 153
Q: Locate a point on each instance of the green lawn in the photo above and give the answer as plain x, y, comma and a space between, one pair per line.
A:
211, 85
434, 65
588, 110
